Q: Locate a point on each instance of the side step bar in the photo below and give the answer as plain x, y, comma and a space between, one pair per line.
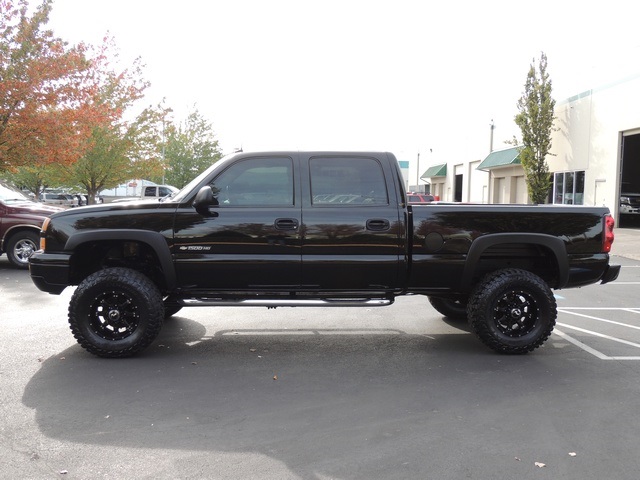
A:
285, 302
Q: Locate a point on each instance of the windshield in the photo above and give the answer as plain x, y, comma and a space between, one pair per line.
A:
9, 195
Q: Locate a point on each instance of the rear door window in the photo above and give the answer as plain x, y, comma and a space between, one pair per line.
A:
337, 181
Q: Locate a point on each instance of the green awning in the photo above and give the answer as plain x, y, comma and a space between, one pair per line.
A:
435, 171
501, 158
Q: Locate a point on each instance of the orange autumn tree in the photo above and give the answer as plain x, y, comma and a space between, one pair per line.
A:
47, 89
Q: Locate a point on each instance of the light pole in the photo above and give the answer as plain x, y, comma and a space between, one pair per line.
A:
163, 167
418, 172
164, 121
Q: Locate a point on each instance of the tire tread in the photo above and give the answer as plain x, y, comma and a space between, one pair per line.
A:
143, 286
478, 306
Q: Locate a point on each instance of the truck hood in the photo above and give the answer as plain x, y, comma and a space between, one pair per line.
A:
101, 208
31, 208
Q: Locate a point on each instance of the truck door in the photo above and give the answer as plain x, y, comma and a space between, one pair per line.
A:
251, 239
353, 233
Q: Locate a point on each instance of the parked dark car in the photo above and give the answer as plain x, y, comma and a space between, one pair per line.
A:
20, 223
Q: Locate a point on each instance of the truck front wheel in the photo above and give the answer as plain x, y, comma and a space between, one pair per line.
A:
116, 312
512, 311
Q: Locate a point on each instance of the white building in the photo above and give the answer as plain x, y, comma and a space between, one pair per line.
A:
595, 156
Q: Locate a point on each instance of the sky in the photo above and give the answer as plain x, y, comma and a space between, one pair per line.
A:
410, 77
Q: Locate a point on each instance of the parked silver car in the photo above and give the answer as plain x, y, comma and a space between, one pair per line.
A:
58, 199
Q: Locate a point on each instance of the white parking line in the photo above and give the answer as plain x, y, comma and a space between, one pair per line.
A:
604, 320
629, 309
581, 345
591, 350
601, 335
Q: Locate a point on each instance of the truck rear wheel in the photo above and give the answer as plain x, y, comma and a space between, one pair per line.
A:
512, 311
116, 312
455, 309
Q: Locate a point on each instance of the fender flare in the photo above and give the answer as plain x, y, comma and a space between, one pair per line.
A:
479, 245
11, 230
155, 240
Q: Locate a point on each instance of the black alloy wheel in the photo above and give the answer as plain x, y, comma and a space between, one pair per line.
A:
116, 312
512, 311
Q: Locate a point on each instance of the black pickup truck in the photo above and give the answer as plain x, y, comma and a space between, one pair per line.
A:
310, 229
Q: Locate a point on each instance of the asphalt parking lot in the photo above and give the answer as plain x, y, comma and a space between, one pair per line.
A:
343, 393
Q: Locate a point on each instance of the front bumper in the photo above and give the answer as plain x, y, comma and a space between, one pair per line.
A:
629, 209
50, 271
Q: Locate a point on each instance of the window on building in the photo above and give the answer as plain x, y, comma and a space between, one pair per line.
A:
568, 188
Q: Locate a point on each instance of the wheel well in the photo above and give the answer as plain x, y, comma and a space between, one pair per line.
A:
15, 230
535, 258
93, 256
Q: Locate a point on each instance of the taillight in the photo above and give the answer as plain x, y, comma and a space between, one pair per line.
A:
607, 237
43, 232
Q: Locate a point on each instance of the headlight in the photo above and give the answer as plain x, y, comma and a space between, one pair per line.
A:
43, 232
626, 200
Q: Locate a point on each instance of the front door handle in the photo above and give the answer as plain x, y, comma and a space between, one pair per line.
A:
286, 224
378, 224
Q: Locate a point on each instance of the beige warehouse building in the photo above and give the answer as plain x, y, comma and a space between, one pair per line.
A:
595, 156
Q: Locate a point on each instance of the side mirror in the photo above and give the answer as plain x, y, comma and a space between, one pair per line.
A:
204, 201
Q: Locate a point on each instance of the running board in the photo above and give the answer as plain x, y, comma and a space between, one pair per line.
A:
272, 303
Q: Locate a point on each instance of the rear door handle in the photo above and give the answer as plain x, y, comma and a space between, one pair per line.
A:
286, 224
378, 224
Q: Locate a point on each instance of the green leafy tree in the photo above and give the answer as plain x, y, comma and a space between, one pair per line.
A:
34, 178
118, 153
535, 119
189, 149
119, 149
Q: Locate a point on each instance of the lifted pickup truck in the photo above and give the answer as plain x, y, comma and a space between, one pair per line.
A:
316, 228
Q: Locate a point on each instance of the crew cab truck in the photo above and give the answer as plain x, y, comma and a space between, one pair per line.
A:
316, 228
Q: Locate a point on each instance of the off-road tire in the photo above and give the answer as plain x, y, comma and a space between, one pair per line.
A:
450, 308
20, 247
512, 311
116, 312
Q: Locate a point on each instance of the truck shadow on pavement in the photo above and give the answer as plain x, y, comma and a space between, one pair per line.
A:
325, 403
